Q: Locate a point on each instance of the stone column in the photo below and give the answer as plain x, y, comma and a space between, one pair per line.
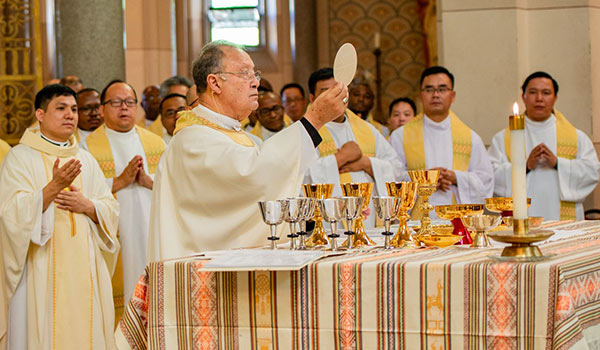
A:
89, 40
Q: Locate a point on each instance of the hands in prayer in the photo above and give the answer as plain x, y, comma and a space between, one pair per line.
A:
73, 200
541, 154
61, 177
446, 179
133, 172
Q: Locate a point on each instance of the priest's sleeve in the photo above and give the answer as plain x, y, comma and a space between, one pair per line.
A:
578, 177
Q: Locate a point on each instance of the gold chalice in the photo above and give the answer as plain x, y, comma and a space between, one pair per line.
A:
481, 224
427, 180
364, 190
318, 191
407, 194
502, 205
454, 212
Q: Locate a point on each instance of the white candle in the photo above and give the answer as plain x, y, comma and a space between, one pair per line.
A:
377, 40
519, 167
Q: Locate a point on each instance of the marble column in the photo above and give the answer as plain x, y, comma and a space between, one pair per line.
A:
89, 40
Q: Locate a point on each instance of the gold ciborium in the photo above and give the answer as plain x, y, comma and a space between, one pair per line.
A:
427, 180
481, 224
454, 212
364, 190
502, 205
407, 196
318, 191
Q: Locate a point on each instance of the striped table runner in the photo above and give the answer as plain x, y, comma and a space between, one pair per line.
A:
453, 298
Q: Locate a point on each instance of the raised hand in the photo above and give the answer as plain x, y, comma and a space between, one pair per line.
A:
328, 106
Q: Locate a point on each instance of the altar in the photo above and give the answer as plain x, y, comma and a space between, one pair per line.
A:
422, 298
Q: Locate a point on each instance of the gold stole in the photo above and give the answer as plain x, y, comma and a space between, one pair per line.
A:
375, 123
187, 118
566, 147
70, 271
362, 133
256, 131
100, 148
157, 126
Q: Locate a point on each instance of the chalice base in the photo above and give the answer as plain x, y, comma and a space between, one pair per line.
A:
360, 238
481, 240
403, 238
318, 237
461, 230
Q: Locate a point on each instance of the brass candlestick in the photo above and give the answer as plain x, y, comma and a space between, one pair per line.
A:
407, 195
364, 190
427, 180
318, 191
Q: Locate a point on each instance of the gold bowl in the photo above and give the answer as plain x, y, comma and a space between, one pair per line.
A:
440, 241
501, 204
451, 211
533, 221
443, 230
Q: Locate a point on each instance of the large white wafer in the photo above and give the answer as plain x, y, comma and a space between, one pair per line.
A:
344, 65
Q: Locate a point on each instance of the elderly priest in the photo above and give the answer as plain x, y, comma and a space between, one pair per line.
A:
562, 165
212, 174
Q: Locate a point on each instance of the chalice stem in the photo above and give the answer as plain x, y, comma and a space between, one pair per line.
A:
274, 237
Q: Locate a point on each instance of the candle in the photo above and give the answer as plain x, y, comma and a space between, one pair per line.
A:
377, 40
519, 167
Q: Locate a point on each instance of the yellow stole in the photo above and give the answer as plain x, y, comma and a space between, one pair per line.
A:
4, 148
566, 147
99, 147
256, 131
375, 123
362, 133
71, 274
157, 126
414, 144
187, 118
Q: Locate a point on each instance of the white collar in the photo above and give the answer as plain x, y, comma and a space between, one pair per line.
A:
56, 143
266, 133
220, 120
444, 124
540, 125
119, 133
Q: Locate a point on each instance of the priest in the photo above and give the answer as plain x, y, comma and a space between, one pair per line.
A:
212, 174
58, 227
438, 139
562, 164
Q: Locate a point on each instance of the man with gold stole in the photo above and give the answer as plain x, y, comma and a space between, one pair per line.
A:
270, 114
362, 100
352, 150
562, 164
438, 139
128, 155
58, 227
213, 174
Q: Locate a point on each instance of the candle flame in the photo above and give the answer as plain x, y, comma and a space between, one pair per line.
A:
516, 109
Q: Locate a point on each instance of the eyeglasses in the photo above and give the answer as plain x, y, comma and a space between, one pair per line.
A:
129, 102
248, 75
431, 90
171, 113
89, 108
266, 111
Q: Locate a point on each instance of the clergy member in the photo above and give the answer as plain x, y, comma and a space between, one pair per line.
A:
401, 111
173, 85
562, 165
58, 227
438, 139
88, 111
169, 107
352, 149
361, 102
212, 174
270, 116
293, 100
128, 155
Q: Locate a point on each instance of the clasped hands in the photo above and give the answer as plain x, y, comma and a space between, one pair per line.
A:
446, 179
349, 158
541, 154
133, 172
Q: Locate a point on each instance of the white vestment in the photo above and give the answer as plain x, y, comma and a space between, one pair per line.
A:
574, 180
207, 186
135, 203
83, 134
36, 270
472, 186
385, 165
266, 133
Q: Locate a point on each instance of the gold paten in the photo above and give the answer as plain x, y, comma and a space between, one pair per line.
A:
440, 241
364, 190
427, 180
319, 191
407, 194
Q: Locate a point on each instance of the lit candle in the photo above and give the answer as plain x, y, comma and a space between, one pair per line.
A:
518, 160
377, 40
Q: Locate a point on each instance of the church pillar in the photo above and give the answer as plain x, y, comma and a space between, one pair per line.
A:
89, 40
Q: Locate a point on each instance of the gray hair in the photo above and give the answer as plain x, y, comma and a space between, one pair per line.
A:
209, 62
173, 81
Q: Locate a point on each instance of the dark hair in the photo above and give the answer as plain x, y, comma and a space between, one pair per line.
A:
291, 85
209, 62
405, 100
436, 70
319, 75
70, 79
173, 81
170, 96
49, 92
83, 91
116, 81
539, 74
